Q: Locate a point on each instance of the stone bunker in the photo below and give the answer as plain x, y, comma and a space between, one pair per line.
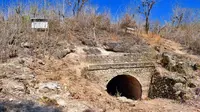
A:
128, 74
125, 85
139, 76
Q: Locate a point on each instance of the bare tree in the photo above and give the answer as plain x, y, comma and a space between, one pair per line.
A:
145, 8
33, 10
63, 10
18, 9
77, 6
182, 16
178, 16
62, 13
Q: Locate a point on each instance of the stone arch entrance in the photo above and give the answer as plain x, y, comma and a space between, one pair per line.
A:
125, 85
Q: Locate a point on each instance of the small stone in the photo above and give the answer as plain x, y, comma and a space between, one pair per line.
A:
61, 102
10, 99
50, 86
41, 62
21, 61
178, 86
125, 100
191, 85
26, 45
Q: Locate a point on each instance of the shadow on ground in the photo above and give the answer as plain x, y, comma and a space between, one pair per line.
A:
26, 106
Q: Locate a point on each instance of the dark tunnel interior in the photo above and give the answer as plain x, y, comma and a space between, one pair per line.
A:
125, 85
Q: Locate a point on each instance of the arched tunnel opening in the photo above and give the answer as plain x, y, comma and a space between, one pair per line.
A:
125, 85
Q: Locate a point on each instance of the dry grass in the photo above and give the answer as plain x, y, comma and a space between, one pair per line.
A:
89, 28
187, 35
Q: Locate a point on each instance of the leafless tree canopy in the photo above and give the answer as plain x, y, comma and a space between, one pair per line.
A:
77, 5
183, 16
145, 8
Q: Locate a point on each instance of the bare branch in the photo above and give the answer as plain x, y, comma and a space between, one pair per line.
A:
78, 6
145, 9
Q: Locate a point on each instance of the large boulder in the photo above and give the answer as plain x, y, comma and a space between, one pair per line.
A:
174, 63
125, 47
14, 87
173, 85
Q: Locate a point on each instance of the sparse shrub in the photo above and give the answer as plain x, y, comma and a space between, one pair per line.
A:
187, 35
195, 46
103, 22
155, 27
55, 26
88, 28
91, 20
127, 21
184, 28
48, 101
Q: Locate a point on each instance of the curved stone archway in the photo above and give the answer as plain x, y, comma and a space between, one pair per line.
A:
125, 85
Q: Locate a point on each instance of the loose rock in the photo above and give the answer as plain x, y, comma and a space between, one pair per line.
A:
49, 86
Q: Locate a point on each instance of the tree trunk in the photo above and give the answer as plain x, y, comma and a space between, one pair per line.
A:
147, 25
74, 10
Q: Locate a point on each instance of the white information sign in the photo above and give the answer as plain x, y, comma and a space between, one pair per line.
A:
39, 25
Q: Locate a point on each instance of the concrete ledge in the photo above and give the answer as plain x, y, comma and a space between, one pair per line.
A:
120, 58
120, 66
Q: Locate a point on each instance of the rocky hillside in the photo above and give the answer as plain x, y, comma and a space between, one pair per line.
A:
68, 67
89, 59
56, 81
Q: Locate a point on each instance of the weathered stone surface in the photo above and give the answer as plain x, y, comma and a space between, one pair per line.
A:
16, 78
167, 61
26, 45
15, 70
121, 66
161, 87
92, 51
102, 68
88, 41
174, 63
125, 47
26, 106
120, 58
76, 107
125, 100
102, 77
172, 85
61, 102
49, 87
14, 87
62, 53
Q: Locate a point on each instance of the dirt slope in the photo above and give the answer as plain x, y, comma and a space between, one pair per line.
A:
57, 85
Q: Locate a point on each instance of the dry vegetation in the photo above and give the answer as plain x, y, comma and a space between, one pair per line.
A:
71, 26
86, 27
78, 23
184, 28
